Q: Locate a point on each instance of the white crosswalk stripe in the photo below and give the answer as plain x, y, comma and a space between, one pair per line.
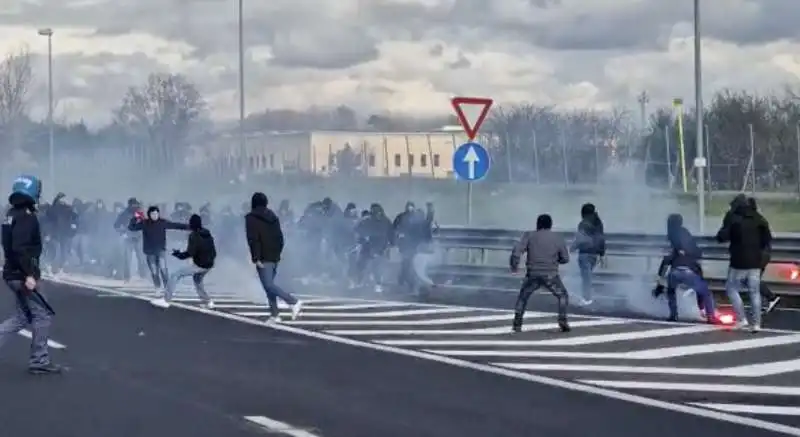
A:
664, 360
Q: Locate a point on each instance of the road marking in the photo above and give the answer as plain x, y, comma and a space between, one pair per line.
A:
582, 387
690, 387
731, 346
276, 426
370, 315
647, 354
422, 322
50, 343
567, 341
767, 369
495, 330
770, 410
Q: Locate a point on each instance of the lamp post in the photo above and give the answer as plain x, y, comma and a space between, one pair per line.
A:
700, 160
242, 146
47, 32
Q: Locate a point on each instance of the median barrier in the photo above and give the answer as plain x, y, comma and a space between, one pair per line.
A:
475, 258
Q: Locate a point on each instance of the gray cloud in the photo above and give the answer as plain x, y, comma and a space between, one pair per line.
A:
409, 53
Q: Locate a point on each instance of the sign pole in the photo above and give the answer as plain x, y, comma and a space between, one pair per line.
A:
471, 161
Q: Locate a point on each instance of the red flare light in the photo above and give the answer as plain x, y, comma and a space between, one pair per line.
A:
726, 318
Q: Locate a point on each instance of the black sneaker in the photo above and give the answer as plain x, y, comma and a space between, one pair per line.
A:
516, 328
564, 326
45, 369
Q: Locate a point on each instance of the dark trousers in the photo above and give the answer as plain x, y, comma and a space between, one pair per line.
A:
533, 282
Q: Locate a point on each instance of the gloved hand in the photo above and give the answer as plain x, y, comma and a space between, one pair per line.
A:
658, 290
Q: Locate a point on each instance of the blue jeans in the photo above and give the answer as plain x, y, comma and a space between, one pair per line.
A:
586, 264
157, 264
738, 279
197, 274
685, 277
31, 311
266, 275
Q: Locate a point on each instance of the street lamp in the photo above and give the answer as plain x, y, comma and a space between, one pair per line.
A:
49, 34
700, 160
242, 157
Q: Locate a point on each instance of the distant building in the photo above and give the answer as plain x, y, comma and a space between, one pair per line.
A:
375, 154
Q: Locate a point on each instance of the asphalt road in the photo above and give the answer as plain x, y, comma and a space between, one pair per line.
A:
139, 371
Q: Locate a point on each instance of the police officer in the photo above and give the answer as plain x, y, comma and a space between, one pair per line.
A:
22, 247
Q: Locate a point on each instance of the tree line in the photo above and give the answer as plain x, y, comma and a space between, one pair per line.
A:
750, 137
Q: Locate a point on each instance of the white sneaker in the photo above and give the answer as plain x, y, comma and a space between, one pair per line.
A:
297, 308
160, 303
379, 289
755, 328
210, 305
742, 325
276, 319
586, 302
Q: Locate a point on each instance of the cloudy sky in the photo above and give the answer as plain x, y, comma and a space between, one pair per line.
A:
403, 55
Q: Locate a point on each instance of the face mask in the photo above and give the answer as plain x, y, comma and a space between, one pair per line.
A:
154, 215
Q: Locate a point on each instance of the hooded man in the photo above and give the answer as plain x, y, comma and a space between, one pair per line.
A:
154, 242
63, 223
590, 244
749, 238
685, 270
22, 247
203, 252
374, 235
265, 240
130, 239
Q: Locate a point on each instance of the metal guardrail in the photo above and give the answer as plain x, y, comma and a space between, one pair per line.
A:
475, 271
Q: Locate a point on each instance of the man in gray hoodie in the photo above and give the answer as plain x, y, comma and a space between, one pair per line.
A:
546, 250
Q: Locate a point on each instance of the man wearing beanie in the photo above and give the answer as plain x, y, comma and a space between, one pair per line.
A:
265, 240
203, 252
546, 251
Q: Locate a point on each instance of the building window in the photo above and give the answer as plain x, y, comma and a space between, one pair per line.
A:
410, 160
271, 160
371, 160
423, 160
252, 162
436, 160
398, 161
263, 161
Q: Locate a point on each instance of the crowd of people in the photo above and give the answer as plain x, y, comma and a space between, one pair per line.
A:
348, 244
744, 229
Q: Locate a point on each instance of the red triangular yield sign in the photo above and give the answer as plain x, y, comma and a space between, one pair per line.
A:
471, 127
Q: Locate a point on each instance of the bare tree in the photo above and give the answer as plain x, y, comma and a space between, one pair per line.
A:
729, 118
16, 76
160, 116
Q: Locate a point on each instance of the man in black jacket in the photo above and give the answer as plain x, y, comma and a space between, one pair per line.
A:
154, 242
203, 252
749, 237
265, 240
22, 247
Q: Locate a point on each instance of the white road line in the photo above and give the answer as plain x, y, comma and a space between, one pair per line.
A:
647, 354
361, 306
423, 322
769, 410
731, 346
50, 343
644, 370
365, 315
568, 341
276, 426
494, 330
623, 336
699, 387
552, 382
766, 369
